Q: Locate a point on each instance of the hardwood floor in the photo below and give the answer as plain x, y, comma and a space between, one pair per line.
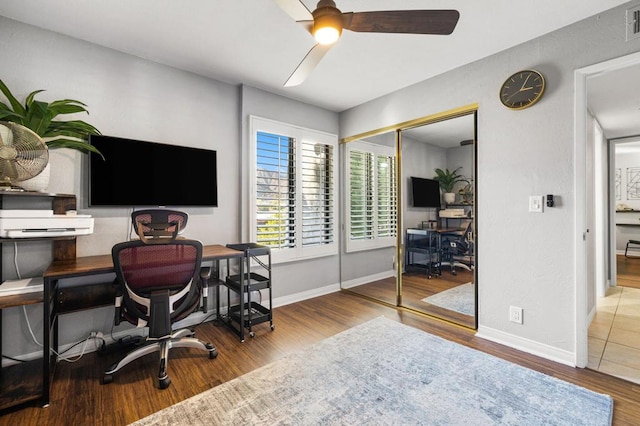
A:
628, 271
415, 287
78, 398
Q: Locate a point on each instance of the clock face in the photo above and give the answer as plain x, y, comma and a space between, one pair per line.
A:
522, 89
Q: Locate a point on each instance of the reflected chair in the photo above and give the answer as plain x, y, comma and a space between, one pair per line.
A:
458, 247
159, 284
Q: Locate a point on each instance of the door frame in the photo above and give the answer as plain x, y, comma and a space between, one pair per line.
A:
580, 175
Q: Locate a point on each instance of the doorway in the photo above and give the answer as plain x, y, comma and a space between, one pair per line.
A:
607, 334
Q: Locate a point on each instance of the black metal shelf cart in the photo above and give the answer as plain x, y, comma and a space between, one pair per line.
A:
247, 313
422, 248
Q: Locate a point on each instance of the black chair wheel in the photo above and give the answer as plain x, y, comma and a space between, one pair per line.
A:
164, 383
273, 327
106, 379
252, 334
213, 354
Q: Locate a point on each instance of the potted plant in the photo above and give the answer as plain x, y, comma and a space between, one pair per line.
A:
447, 179
38, 116
466, 192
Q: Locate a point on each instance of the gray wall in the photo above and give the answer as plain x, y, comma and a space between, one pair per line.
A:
525, 259
300, 276
135, 98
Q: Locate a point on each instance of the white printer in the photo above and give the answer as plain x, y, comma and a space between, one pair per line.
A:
43, 223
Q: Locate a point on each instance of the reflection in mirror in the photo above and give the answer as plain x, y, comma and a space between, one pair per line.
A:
369, 192
438, 238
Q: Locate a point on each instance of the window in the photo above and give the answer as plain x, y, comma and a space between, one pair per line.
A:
294, 190
371, 202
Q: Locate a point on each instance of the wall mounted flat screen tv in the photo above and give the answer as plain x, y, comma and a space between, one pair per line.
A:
148, 174
426, 192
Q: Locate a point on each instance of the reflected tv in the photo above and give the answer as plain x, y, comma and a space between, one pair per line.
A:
426, 192
148, 174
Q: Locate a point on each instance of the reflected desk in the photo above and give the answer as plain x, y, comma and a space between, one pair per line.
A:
59, 300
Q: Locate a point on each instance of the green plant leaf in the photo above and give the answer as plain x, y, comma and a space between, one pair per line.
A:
30, 97
73, 144
76, 128
38, 116
67, 106
15, 104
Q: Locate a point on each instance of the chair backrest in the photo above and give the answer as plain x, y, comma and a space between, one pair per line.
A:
172, 266
153, 225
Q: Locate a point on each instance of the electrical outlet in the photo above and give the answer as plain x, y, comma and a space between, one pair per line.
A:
515, 314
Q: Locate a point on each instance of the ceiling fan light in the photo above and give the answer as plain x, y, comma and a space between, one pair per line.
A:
327, 35
327, 25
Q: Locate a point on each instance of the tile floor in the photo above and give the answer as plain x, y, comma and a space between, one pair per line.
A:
614, 334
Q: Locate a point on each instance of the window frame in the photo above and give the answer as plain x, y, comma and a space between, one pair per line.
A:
299, 134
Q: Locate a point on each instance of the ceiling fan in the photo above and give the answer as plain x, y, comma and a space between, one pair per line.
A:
326, 23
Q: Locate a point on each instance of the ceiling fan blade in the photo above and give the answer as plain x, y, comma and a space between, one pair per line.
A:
295, 9
440, 22
307, 65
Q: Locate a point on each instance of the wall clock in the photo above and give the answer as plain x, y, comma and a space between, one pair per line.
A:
522, 89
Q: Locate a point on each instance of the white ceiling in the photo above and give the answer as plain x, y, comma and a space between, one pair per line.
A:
614, 100
254, 42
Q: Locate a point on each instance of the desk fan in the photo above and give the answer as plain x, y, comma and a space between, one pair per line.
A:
23, 155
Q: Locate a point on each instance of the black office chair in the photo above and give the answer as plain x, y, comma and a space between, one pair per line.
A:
154, 226
458, 247
159, 284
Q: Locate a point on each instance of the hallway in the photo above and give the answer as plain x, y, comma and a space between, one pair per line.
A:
614, 334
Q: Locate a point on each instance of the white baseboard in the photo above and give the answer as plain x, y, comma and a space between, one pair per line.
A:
367, 279
526, 345
591, 316
309, 294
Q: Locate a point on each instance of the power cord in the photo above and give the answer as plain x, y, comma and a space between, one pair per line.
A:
33, 336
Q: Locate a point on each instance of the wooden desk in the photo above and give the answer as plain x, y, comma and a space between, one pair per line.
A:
57, 300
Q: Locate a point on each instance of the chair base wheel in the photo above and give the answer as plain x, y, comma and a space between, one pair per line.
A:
164, 383
106, 379
213, 352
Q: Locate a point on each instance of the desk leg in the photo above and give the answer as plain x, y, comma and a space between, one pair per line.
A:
46, 343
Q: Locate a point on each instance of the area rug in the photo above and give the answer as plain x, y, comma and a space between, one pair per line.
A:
386, 373
460, 299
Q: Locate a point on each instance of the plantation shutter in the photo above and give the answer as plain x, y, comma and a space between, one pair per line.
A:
361, 195
317, 194
275, 190
387, 198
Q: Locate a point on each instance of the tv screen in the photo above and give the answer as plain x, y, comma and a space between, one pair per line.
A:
426, 192
137, 173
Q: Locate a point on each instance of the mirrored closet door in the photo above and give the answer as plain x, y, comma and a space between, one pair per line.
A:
402, 243
369, 192
438, 229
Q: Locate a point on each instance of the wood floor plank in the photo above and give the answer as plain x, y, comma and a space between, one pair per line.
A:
80, 399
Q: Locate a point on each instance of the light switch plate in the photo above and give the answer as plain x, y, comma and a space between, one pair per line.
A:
535, 203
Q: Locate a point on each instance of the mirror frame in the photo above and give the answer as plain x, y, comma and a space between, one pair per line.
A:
398, 128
